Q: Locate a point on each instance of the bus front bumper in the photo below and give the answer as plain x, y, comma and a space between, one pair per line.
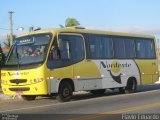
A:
33, 89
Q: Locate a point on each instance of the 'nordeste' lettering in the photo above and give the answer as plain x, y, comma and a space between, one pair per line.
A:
114, 65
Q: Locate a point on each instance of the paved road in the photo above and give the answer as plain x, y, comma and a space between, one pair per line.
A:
84, 107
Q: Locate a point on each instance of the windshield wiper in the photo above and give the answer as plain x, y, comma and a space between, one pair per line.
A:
17, 57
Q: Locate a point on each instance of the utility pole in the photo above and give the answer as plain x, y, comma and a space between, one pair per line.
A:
158, 48
11, 27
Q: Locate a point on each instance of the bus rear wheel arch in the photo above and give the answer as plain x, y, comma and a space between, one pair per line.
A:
131, 86
65, 90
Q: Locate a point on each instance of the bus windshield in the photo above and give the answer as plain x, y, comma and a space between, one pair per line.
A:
28, 50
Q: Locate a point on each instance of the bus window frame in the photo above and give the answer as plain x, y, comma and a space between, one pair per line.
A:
154, 48
28, 66
88, 57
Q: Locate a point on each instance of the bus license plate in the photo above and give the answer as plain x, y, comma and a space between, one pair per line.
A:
19, 93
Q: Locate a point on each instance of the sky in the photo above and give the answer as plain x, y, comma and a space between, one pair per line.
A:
134, 16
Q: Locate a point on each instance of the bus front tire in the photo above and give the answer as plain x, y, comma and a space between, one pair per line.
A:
29, 97
65, 92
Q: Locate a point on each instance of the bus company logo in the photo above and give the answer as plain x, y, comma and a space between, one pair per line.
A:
114, 69
15, 74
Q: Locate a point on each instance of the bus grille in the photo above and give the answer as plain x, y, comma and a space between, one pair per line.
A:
19, 89
18, 81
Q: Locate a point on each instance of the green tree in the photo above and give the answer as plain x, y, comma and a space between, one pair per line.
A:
69, 22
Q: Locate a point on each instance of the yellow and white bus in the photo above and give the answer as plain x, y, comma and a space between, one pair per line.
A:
62, 61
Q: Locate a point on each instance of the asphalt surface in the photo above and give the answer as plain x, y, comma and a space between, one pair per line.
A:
85, 106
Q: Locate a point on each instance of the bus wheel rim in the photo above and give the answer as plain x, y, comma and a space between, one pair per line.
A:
65, 92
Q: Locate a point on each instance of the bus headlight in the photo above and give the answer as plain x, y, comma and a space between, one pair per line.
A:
36, 80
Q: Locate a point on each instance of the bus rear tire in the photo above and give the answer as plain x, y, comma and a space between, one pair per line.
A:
131, 86
65, 92
28, 97
98, 92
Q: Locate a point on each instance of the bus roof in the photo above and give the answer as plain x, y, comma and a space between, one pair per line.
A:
72, 30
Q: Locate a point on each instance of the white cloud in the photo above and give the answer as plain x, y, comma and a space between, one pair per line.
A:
153, 31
